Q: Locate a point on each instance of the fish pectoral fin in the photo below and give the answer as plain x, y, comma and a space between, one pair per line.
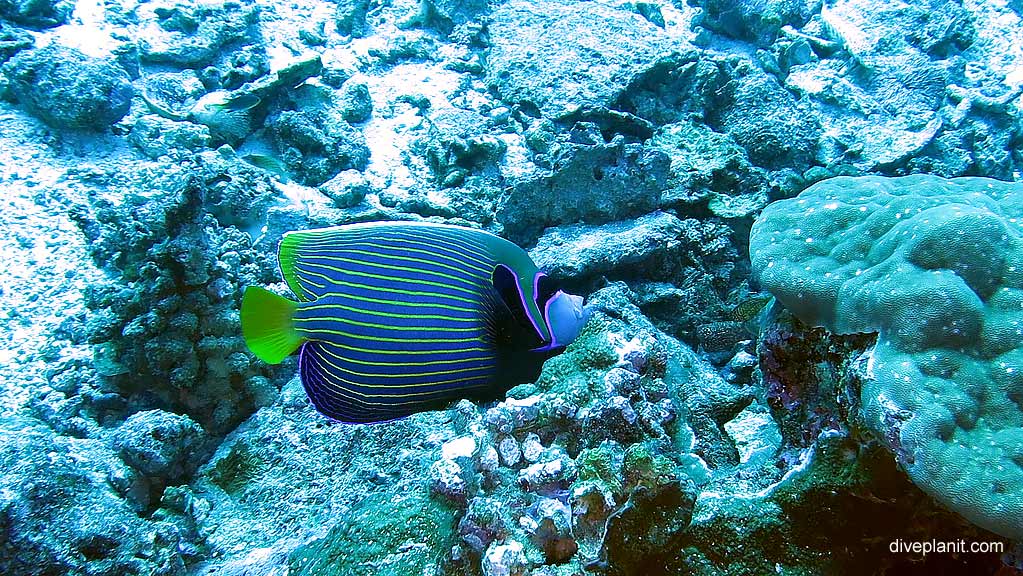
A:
268, 325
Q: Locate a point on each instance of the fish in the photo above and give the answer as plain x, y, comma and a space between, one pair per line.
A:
227, 114
748, 308
269, 164
394, 318
230, 102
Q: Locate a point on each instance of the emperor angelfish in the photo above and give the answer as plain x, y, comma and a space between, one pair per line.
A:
395, 318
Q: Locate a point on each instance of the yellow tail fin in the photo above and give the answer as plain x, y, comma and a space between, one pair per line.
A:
268, 325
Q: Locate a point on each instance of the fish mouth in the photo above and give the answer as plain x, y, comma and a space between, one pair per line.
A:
579, 308
565, 314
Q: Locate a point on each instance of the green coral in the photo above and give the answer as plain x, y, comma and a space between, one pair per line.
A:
602, 464
644, 468
566, 374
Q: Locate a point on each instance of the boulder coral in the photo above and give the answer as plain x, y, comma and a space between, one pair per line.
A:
935, 267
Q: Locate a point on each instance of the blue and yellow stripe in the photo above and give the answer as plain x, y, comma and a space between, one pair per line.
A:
395, 317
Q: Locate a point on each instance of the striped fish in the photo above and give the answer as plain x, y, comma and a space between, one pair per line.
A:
394, 318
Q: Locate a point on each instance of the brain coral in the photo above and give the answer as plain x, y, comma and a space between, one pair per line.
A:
935, 267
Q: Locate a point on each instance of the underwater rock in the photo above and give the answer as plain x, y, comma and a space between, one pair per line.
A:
230, 115
350, 18
658, 361
695, 274
881, 124
613, 418
193, 35
235, 193
624, 381
978, 145
316, 145
548, 476
68, 89
356, 104
63, 412
61, 513
35, 13
381, 537
12, 41
446, 15
173, 90
453, 476
510, 451
592, 185
156, 136
776, 130
513, 414
532, 448
347, 189
891, 113
710, 402
160, 444
289, 479
739, 368
867, 28
596, 496
457, 144
411, 45
891, 78
283, 79
708, 165
507, 559
446, 480
616, 250
557, 56
553, 530
758, 21
755, 435
682, 87
483, 523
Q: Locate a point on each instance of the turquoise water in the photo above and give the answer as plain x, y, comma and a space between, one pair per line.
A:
835, 394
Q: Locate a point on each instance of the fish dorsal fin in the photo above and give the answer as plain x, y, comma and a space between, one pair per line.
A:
286, 255
240, 103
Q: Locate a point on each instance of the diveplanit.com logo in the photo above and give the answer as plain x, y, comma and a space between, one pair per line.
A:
925, 547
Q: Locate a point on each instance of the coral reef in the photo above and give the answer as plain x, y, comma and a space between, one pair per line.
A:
558, 56
68, 89
931, 265
166, 328
594, 184
66, 508
155, 153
